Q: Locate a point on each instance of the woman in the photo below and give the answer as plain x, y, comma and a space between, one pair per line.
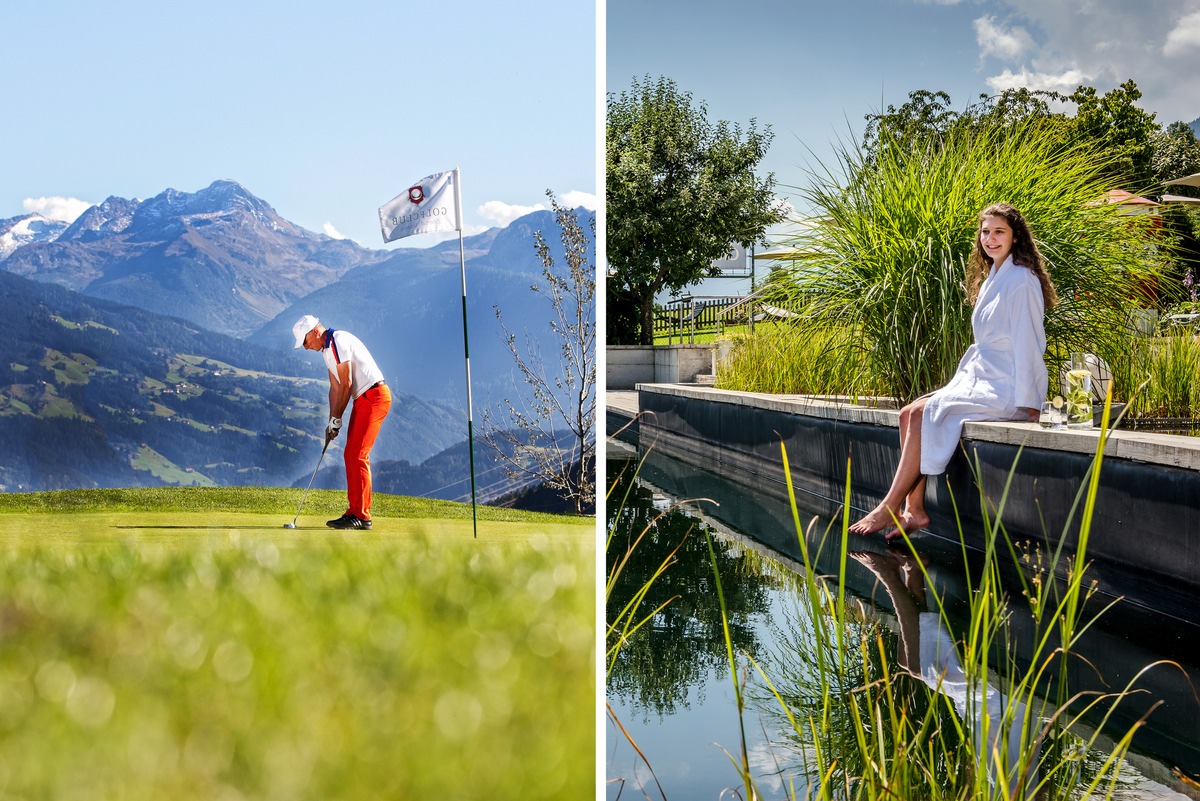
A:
1001, 377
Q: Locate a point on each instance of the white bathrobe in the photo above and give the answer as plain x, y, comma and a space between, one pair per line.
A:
1002, 372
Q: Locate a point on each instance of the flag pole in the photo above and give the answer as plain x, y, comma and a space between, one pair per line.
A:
462, 263
403, 216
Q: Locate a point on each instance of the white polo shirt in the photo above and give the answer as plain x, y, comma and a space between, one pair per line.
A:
342, 346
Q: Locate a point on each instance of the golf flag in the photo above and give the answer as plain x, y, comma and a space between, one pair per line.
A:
431, 204
434, 204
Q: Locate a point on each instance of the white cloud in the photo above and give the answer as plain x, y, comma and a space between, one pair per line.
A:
574, 198
995, 40
66, 209
1107, 42
504, 213
1184, 36
1065, 81
333, 232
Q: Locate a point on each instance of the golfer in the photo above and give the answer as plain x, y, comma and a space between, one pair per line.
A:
353, 374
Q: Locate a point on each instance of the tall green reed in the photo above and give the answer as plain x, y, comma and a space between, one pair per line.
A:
783, 359
889, 237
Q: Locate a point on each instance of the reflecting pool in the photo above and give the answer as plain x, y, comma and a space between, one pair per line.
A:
670, 693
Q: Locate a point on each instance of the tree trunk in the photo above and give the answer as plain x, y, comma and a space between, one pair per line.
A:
647, 309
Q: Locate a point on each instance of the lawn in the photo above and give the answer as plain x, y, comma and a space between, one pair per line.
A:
180, 643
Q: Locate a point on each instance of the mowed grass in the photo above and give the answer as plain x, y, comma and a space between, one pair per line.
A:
182, 644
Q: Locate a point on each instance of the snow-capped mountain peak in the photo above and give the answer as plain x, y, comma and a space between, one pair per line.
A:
26, 229
112, 216
219, 197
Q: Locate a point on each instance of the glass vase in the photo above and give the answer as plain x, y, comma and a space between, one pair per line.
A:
1079, 393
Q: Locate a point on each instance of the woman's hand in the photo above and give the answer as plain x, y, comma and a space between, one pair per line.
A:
1033, 414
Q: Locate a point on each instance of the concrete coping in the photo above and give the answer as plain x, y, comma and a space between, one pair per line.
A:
652, 348
1141, 446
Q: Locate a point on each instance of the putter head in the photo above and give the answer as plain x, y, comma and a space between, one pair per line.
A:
289, 525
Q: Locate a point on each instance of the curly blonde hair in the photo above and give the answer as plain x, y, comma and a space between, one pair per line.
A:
1024, 253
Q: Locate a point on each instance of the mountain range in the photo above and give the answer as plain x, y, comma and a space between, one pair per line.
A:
221, 257
224, 260
156, 335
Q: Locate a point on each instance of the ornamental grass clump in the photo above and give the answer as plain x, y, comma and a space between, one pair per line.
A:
1170, 369
886, 248
774, 359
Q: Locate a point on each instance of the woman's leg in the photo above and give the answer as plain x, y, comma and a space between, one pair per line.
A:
908, 485
914, 515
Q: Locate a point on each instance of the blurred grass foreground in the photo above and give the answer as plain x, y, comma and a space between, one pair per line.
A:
182, 644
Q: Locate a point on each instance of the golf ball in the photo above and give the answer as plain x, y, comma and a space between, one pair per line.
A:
289, 525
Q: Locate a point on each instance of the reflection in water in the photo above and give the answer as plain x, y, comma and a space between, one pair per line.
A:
1000, 729
663, 669
655, 670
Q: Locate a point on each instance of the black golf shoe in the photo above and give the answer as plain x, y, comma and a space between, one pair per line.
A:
348, 521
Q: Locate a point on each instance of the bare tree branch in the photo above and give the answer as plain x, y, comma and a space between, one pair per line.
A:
550, 428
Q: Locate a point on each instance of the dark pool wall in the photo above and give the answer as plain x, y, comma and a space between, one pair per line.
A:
1146, 525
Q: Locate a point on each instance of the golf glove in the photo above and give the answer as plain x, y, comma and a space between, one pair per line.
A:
331, 430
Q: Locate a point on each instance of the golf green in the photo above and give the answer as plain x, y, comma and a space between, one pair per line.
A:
202, 650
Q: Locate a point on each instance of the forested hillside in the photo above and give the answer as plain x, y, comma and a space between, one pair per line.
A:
93, 393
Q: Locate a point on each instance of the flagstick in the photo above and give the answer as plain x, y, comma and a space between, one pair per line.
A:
398, 211
462, 262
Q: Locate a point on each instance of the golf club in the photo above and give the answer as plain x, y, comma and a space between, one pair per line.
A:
306, 489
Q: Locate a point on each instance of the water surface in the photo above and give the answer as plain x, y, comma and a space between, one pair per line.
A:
670, 688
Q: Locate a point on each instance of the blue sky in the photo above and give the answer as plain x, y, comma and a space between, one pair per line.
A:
324, 110
813, 70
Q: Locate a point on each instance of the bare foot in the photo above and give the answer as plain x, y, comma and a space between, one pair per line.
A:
910, 522
877, 519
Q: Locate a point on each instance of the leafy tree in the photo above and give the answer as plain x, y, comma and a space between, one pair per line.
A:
927, 115
528, 437
1176, 154
1017, 106
927, 119
1114, 124
680, 191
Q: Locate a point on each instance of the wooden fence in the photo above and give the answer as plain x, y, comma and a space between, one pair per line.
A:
699, 315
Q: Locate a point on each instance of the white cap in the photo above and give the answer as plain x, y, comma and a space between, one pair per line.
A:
302, 327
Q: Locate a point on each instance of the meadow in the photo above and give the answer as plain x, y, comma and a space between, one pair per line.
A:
180, 643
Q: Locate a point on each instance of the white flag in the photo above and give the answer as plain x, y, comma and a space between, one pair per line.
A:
431, 204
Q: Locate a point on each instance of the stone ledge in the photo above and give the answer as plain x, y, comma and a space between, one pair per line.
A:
1140, 446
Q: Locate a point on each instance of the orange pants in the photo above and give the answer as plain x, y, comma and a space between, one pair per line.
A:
365, 419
